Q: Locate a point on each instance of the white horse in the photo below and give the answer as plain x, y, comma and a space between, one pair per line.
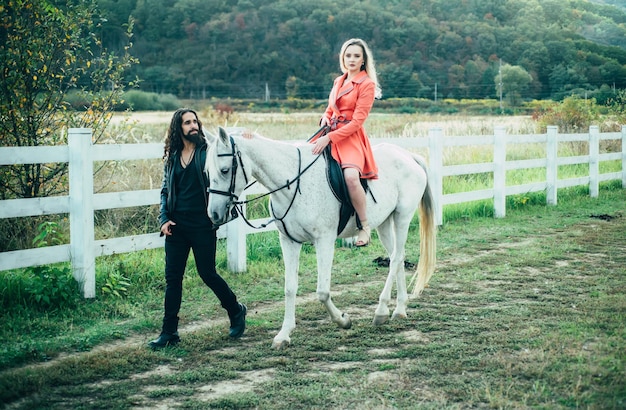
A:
306, 210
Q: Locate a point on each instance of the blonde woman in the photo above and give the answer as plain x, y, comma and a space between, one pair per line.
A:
349, 105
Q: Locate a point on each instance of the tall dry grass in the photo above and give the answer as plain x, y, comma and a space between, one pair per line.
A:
137, 127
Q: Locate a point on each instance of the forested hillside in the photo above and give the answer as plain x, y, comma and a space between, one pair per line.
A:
245, 48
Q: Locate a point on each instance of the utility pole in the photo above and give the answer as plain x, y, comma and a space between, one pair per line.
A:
500, 85
435, 92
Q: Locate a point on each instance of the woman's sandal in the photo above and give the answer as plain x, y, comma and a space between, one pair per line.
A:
364, 236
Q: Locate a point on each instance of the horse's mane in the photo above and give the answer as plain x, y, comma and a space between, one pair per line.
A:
237, 132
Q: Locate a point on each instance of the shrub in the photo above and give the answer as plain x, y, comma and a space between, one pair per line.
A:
136, 100
574, 114
43, 287
116, 285
169, 102
50, 287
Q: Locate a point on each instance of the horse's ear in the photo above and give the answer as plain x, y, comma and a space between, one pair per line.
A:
210, 138
223, 135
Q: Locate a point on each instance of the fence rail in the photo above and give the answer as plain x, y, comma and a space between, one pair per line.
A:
81, 202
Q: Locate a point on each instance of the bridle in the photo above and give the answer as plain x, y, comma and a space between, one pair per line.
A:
238, 205
236, 156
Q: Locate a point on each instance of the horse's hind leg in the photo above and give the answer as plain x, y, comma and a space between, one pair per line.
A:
401, 225
291, 257
325, 250
393, 234
382, 310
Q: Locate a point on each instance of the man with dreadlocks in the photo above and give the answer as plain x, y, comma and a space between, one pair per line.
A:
186, 226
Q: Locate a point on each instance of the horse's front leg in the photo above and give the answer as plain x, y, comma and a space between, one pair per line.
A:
381, 315
291, 257
325, 250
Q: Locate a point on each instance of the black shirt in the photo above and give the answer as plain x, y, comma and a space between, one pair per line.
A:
190, 197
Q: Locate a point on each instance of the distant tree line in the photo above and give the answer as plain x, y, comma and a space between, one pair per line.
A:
456, 49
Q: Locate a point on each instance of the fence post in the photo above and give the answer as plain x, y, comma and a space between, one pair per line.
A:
594, 161
236, 244
499, 172
82, 252
435, 178
623, 156
552, 165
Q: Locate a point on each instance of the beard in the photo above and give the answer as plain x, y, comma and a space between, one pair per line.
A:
195, 137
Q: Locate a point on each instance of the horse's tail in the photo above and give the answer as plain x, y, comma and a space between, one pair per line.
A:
428, 238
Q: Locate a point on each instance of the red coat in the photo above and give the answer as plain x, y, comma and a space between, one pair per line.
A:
348, 108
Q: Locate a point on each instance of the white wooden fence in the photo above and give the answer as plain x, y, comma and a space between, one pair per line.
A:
81, 203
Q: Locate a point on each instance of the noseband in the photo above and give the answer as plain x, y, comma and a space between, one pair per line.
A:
236, 155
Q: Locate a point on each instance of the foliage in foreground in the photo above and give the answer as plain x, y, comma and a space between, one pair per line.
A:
47, 50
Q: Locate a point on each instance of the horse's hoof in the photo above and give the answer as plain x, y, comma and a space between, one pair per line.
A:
280, 344
346, 322
397, 316
379, 320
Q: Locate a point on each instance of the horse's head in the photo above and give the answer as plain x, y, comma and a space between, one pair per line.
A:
227, 178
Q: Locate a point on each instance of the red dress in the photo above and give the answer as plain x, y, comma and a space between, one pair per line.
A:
349, 105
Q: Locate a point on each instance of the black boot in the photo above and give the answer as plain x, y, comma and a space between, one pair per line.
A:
238, 322
164, 340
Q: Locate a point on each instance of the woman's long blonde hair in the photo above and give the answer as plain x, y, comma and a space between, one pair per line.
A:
368, 62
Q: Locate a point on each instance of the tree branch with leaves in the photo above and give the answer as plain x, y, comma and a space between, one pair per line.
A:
48, 49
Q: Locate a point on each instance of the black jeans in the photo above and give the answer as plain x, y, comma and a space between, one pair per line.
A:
177, 246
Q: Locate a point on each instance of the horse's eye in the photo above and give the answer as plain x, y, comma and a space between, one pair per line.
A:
224, 171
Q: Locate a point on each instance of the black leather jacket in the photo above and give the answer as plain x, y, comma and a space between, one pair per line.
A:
168, 191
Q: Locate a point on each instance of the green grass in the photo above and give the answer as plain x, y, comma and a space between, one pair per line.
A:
528, 311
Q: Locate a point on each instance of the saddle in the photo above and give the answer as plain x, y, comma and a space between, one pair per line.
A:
334, 175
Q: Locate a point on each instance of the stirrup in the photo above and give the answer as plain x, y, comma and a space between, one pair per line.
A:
364, 236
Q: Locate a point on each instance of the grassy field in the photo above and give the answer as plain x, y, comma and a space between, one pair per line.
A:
151, 126
528, 311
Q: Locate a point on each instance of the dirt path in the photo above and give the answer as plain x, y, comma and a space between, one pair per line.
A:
246, 381
258, 309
